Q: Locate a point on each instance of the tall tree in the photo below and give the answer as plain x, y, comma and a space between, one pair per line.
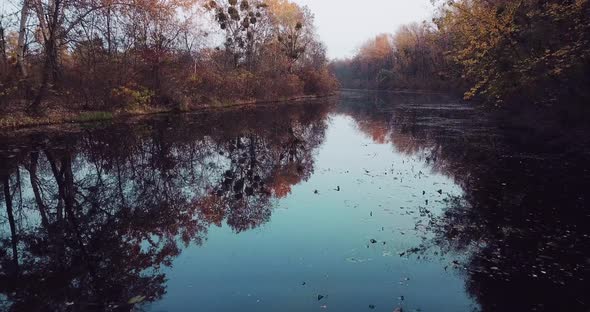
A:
242, 22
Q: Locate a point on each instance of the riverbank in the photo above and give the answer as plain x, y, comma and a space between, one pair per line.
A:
20, 120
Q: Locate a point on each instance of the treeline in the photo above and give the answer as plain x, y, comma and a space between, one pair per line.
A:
130, 54
497, 51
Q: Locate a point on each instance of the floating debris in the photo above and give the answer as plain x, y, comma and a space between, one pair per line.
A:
136, 299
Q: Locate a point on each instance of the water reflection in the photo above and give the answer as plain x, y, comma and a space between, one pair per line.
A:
523, 217
95, 214
94, 217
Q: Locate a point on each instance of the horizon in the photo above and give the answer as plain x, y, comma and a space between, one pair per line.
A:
392, 15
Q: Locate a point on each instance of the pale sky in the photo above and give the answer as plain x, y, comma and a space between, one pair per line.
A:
343, 25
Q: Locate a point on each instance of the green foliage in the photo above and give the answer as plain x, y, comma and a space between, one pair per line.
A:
133, 97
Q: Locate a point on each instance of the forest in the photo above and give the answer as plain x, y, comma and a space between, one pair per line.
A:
105, 57
499, 52
256, 155
133, 56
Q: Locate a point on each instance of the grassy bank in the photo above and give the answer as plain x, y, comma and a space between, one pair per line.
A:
23, 120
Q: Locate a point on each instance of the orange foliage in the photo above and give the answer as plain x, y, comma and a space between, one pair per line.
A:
283, 180
212, 209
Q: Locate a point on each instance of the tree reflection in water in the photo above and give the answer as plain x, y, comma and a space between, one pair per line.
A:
520, 231
94, 215
90, 217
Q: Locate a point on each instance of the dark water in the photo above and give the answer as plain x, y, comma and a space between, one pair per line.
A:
376, 202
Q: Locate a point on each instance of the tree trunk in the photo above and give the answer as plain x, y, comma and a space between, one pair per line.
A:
36, 189
50, 68
3, 56
109, 40
22, 34
11, 222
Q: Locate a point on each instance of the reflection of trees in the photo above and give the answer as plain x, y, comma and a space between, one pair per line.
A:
93, 216
523, 218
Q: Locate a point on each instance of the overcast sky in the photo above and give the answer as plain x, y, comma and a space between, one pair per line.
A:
343, 25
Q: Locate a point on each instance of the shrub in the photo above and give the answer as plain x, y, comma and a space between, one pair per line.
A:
132, 97
319, 82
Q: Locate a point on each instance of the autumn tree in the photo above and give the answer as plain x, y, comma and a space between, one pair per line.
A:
124, 55
293, 28
530, 49
495, 51
242, 23
368, 67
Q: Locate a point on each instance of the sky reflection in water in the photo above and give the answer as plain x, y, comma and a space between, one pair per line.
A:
324, 240
376, 202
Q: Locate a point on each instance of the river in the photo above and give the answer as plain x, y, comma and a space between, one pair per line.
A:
363, 202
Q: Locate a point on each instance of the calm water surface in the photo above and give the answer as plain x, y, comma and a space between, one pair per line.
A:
369, 202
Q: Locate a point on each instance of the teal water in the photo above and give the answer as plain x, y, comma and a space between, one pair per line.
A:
323, 240
362, 202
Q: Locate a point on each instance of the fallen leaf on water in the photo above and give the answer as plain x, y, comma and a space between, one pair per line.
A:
136, 299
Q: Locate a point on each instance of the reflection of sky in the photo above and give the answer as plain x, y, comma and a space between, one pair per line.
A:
322, 240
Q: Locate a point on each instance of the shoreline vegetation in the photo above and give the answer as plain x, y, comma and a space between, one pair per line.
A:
79, 117
77, 61
64, 61
526, 53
